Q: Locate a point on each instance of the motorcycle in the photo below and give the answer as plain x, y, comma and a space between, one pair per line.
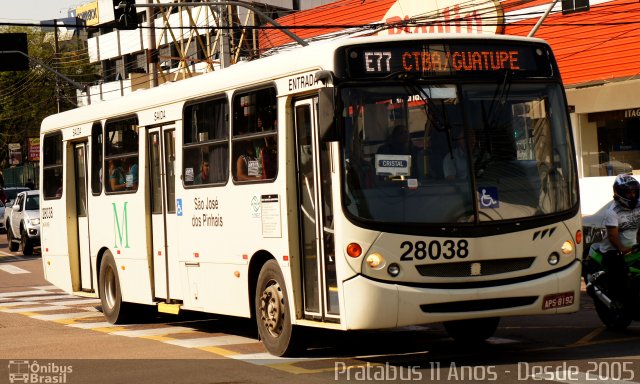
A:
615, 312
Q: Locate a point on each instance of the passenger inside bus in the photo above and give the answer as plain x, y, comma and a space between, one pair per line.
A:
203, 176
248, 166
132, 176
117, 181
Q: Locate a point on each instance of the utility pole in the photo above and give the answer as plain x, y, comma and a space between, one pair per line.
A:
225, 44
56, 50
152, 53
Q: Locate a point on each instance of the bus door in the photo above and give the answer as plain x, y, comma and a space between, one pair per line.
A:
315, 216
162, 157
84, 253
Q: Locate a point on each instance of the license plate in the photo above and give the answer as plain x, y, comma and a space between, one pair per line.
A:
558, 300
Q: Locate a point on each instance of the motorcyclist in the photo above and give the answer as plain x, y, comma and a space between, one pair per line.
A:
622, 221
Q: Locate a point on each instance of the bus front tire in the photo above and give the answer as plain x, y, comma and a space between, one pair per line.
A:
110, 292
276, 332
472, 331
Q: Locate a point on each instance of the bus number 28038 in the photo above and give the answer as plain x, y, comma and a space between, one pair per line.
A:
435, 249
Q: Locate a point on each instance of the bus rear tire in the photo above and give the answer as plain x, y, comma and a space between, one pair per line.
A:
276, 332
472, 331
109, 290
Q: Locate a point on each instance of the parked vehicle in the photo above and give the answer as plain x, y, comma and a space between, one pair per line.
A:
10, 194
23, 223
614, 312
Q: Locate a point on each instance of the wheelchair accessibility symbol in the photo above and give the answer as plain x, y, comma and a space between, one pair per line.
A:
488, 197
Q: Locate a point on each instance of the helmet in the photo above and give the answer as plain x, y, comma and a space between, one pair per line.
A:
626, 190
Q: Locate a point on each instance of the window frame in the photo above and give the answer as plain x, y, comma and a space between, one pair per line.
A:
209, 143
124, 154
47, 167
97, 158
240, 138
573, 6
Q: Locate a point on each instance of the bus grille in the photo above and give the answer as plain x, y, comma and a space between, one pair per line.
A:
475, 268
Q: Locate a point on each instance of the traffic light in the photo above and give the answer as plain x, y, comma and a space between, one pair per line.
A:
125, 14
11, 44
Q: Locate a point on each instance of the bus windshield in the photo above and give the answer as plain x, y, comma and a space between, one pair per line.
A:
466, 153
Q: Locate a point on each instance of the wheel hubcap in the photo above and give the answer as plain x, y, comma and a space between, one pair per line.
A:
272, 308
110, 288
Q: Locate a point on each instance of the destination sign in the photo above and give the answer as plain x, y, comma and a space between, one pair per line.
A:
460, 59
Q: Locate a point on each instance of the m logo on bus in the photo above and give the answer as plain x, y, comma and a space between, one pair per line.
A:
120, 228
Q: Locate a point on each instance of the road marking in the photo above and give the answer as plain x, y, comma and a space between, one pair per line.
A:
214, 341
588, 338
93, 326
64, 316
12, 269
79, 301
16, 303
38, 292
34, 309
153, 331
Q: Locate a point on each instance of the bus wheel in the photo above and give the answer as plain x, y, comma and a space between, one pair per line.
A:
109, 289
472, 331
279, 337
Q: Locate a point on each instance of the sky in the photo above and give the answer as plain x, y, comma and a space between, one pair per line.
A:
26, 11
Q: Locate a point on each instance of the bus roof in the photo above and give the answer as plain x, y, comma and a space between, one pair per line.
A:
316, 56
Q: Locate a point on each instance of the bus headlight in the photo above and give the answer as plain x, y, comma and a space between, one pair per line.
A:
567, 247
393, 269
35, 221
553, 259
375, 261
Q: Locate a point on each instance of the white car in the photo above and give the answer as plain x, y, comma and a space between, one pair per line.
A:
23, 224
10, 194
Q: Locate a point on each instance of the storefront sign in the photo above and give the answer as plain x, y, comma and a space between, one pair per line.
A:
445, 16
89, 13
621, 114
632, 113
15, 154
34, 149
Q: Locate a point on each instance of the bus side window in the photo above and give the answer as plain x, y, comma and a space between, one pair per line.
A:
206, 142
52, 166
120, 170
254, 154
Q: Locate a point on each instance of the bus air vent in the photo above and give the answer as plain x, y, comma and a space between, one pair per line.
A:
475, 268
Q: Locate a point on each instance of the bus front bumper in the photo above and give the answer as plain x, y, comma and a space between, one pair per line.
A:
376, 305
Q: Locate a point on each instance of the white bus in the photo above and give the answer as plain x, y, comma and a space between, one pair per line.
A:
367, 183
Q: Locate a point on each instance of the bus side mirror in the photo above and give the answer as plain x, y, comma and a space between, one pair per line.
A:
326, 115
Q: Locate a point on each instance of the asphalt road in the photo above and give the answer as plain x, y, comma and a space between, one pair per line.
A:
61, 338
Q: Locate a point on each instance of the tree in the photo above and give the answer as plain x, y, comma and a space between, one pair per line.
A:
27, 97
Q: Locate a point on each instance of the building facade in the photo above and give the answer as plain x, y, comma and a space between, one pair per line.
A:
171, 43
